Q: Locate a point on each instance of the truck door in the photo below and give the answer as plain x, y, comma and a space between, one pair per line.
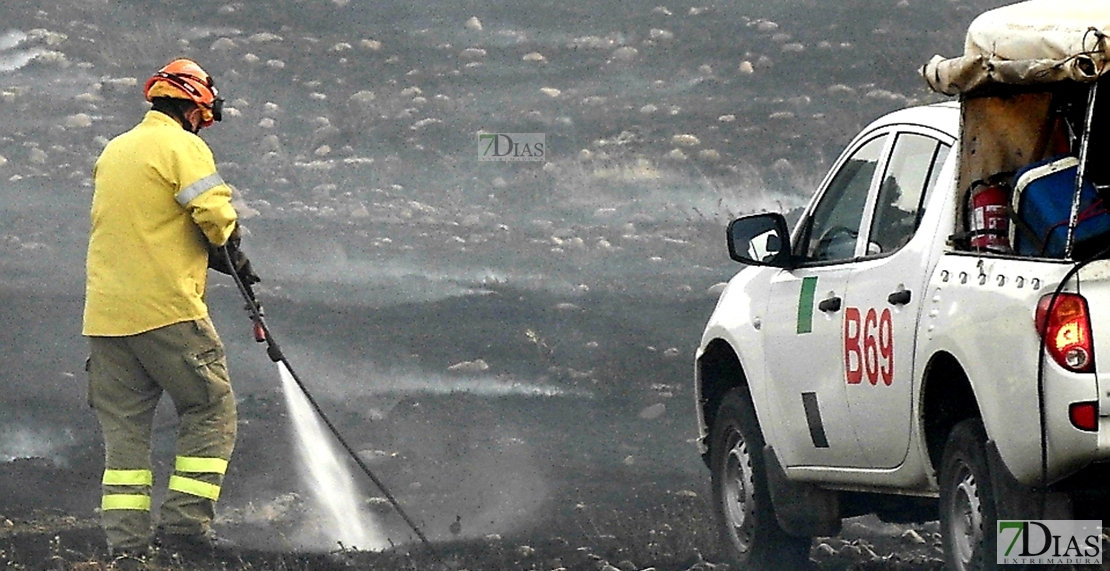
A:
803, 324
885, 294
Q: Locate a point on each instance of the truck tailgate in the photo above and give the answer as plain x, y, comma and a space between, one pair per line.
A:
1094, 285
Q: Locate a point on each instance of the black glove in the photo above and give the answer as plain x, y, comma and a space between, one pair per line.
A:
243, 268
240, 265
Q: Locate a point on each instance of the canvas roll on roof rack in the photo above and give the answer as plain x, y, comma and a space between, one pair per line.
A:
1026, 44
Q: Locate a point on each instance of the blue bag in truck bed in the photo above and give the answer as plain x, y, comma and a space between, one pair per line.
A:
1041, 203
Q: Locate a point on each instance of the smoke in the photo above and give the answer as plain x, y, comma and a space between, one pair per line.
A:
18, 442
11, 39
468, 475
14, 61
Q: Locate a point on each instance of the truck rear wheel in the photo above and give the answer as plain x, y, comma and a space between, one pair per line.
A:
749, 532
967, 508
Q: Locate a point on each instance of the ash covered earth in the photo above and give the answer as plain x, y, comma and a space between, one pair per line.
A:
508, 345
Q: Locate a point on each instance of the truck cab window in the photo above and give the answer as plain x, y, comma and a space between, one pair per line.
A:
913, 168
833, 227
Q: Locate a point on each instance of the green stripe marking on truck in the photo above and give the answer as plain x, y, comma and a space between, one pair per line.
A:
805, 305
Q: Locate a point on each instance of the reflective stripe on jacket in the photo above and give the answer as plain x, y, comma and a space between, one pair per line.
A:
157, 198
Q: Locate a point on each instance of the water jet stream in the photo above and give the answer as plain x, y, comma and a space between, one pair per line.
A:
343, 517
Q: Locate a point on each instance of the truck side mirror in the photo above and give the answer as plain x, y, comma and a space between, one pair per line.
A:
760, 240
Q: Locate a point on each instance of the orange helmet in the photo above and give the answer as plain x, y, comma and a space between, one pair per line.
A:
183, 79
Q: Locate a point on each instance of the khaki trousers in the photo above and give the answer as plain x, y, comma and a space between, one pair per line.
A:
127, 376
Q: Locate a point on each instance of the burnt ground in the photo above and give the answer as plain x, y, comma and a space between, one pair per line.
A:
509, 345
601, 472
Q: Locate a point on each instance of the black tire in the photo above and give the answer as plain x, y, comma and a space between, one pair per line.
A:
968, 513
749, 532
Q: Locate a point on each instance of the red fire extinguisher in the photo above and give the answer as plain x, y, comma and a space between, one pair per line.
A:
990, 224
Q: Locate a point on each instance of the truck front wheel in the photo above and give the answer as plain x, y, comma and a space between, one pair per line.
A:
967, 508
742, 501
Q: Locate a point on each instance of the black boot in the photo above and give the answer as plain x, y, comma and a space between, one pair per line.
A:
205, 546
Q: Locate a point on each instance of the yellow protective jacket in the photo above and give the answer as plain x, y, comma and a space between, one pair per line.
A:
157, 200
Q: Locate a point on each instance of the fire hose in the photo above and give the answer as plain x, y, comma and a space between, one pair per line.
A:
273, 350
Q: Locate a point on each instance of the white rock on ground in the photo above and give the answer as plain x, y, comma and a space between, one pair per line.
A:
363, 97
653, 412
685, 140
913, 537
709, 155
119, 84
263, 37
80, 120
375, 457
223, 45
270, 144
472, 53
625, 53
475, 366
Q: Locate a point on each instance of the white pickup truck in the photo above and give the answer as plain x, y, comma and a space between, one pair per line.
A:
892, 354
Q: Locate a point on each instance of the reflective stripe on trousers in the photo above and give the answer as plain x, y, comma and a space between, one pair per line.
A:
197, 465
130, 490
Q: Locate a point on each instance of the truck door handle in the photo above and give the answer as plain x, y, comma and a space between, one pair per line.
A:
899, 297
830, 304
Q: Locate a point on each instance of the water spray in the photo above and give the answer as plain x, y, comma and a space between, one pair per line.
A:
262, 334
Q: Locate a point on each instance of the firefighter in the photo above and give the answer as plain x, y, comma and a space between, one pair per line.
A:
160, 215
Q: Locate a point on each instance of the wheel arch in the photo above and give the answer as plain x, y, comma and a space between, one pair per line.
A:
718, 371
947, 398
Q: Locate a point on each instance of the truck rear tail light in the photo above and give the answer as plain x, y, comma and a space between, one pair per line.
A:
1084, 415
1067, 331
